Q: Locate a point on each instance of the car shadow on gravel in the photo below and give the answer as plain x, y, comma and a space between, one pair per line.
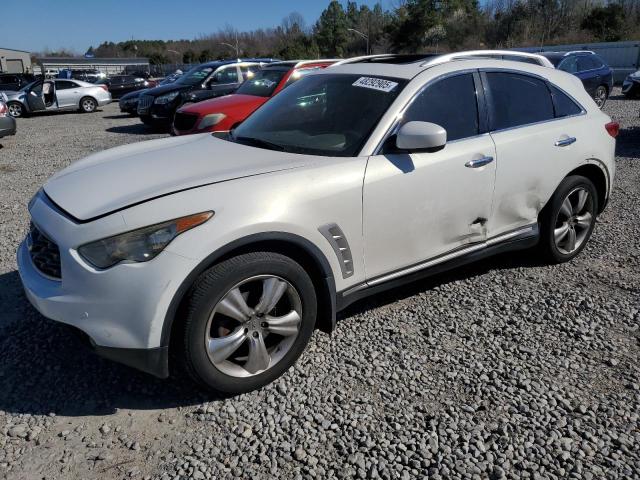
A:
119, 117
628, 143
45, 368
137, 129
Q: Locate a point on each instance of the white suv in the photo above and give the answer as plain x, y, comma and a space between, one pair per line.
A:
354, 179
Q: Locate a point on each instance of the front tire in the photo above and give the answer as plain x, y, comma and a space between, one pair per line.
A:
16, 110
248, 320
88, 105
568, 220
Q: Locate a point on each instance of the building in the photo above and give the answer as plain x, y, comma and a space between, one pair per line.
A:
14, 61
109, 66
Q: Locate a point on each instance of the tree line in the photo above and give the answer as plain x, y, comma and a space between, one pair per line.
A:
410, 26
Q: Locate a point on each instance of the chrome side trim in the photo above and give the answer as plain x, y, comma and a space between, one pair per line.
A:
520, 232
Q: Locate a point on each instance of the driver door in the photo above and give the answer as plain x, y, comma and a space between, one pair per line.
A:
35, 99
418, 206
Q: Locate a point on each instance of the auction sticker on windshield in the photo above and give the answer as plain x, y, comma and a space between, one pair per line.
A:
375, 84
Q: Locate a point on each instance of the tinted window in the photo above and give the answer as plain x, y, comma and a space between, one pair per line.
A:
227, 75
587, 62
301, 72
264, 83
565, 107
569, 64
249, 71
64, 85
518, 100
451, 103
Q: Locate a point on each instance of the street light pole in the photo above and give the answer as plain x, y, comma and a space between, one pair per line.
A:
366, 37
236, 47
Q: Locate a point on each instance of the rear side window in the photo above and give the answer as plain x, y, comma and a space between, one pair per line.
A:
65, 85
588, 62
517, 100
450, 103
565, 106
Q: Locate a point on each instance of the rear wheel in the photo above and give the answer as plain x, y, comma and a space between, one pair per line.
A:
88, 105
600, 96
15, 109
249, 319
568, 220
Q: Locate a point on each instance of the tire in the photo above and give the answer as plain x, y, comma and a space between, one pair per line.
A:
88, 105
600, 96
567, 227
16, 109
222, 347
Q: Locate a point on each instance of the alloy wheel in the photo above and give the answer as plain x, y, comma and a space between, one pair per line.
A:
88, 105
600, 96
253, 326
15, 109
574, 220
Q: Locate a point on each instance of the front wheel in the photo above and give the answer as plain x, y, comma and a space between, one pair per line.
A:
600, 96
88, 105
248, 320
568, 220
15, 109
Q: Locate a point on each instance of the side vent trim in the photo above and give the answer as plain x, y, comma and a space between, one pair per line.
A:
336, 238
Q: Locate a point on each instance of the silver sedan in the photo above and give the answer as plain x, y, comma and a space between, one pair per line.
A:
58, 94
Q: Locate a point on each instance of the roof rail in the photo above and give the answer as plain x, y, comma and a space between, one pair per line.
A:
579, 51
541, 60
409, 58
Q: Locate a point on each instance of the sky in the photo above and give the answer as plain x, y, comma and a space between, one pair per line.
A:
37, 25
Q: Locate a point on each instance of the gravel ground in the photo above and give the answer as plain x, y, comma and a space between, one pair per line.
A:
504, 369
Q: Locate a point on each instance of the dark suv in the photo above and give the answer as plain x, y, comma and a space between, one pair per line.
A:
596, 75
157, 106
14, 81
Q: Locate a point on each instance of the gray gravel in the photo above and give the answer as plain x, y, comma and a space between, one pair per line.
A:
504, 369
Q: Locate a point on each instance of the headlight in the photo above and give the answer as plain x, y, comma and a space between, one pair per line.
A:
211, 120
139, 245
166, 98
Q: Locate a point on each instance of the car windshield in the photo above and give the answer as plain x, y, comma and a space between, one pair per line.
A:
195, 75
263, 83
331, 114
28, 86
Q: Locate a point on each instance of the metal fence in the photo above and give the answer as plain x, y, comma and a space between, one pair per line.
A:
622, 57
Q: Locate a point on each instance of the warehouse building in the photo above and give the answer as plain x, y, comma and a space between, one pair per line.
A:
109, 66
14, 61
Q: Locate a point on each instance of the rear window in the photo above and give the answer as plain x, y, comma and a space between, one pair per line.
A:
518, 100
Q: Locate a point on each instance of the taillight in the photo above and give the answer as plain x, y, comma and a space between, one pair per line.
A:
104, 87
613, 128
3, 109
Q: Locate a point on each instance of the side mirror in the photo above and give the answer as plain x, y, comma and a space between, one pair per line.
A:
421, 136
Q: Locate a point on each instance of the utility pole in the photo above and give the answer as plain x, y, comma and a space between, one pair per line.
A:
366, 37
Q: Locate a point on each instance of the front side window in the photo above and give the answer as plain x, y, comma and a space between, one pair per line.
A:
517, 100
450, 103
226, 75
328, 114
569, 65
263, 83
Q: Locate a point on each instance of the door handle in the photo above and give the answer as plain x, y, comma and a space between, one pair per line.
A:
563, 142
479, 162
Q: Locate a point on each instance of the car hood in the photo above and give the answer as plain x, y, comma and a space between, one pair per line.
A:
236, 105
12, 94
123, 176
172, 87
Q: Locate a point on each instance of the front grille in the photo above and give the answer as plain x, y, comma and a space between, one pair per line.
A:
184, 121
145, 102
45, 254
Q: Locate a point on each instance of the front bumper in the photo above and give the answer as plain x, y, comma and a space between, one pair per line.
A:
159, 112
7, 126
121, 309
631, 86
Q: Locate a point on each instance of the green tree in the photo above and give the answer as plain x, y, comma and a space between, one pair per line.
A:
331, 30
605, 23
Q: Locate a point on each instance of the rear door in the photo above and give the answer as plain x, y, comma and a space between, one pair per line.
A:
588, 72
417, 206
535, 141
67, 93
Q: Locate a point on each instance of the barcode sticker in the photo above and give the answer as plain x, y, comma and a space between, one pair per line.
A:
375, 84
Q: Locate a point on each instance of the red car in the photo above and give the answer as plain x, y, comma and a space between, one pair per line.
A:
224, 113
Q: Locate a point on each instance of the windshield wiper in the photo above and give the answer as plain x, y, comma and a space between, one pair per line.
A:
258, 142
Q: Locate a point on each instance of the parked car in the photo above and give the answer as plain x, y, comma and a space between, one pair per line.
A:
631, 85
122, 84
358, 178
129, 102
224, 113
7, 122
157, 106
52, 95
596, 75
14, 81
89, 76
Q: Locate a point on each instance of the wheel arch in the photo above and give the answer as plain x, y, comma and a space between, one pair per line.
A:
595, 171
88, 96
298, 248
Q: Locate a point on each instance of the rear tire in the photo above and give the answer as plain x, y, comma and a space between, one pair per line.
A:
600, 96
88, 105
567, 221
248, 319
